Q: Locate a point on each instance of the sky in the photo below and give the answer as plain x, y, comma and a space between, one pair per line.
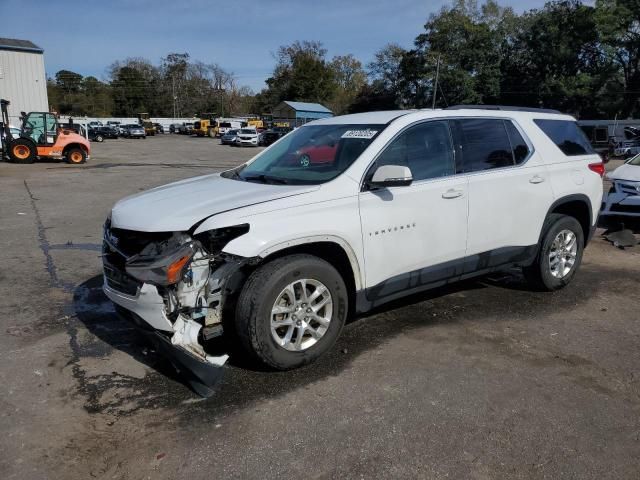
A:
241, 36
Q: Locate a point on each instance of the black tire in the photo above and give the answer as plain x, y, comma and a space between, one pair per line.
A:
538, 274
253, 312
76, 156
22, 150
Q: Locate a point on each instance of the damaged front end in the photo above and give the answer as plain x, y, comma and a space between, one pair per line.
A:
173, 286
621, 206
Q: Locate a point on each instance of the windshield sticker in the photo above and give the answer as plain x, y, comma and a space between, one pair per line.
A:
366, 134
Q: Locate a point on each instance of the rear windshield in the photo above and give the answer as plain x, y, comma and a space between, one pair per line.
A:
567, 136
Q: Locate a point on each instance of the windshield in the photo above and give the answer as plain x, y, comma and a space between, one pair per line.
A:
635, 161
309, 155
232, 132
247, 131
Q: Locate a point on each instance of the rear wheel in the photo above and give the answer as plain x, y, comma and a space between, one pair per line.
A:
291, 311
76, 156
99, 138
559, 256
22, 150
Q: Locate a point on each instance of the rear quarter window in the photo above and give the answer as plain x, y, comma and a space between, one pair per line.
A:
567, 136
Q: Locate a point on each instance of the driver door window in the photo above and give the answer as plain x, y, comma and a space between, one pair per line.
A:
425, 148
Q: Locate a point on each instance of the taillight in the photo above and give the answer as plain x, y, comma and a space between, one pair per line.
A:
598, 168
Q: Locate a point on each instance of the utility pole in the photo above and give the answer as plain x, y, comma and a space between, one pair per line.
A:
173, 93
435, 85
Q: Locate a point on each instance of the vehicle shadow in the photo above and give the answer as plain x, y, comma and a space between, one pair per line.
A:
96, 312
245, 381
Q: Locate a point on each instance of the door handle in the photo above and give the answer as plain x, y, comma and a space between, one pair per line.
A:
452, 193
536, 179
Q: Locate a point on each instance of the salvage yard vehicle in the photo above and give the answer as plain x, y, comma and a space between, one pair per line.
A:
247, 137
207, 125
41, 137
230, 138
277, 254
621, 206
134, 131
145, 122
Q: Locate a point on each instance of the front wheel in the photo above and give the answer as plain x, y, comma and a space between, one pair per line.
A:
22, 150
291, 311
560, 254
76, 156
99, 139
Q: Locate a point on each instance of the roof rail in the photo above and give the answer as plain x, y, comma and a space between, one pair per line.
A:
503, 108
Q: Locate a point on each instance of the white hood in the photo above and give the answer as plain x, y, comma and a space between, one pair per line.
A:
178, 206
626, 172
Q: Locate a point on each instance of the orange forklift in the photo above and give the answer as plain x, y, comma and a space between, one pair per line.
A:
41, 137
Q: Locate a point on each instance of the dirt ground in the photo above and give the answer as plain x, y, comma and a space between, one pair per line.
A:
481, 380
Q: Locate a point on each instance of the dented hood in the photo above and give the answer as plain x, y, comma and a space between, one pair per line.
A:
178, 206
626, 172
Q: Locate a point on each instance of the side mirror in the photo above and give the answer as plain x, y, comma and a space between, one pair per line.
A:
391, 176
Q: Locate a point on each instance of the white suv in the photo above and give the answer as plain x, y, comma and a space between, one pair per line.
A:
344, 214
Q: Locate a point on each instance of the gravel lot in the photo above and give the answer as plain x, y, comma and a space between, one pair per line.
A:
482, 380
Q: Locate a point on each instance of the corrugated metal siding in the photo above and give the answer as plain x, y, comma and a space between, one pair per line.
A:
23, 82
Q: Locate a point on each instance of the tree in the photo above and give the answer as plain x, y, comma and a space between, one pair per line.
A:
467, 41
349, 78
555, 59
618, 22
68, 81
301, 73
134, 83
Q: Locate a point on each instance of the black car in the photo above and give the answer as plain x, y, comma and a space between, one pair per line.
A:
107, 132
95, 135
159, 128
273, 135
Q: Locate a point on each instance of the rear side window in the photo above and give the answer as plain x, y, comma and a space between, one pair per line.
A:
567, 136
485, 144
518, 145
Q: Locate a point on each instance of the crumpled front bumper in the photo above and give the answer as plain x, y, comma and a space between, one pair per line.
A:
145, 311
200, 375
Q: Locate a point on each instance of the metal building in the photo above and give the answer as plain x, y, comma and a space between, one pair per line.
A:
299, 113
22, 77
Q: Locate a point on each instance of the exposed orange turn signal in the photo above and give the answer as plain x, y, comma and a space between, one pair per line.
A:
174, 271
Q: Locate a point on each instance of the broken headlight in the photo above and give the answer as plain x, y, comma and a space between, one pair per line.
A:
162, 263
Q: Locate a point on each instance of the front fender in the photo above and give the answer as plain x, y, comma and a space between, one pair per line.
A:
336, 221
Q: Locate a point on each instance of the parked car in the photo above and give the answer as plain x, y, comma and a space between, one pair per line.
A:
229, 138
247, 137
186, 128
159, 128
95, 135
621, 205
113, 124
108, 132
411, 200
273, 135
174, 127
14, 131
134, 131
94, 124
